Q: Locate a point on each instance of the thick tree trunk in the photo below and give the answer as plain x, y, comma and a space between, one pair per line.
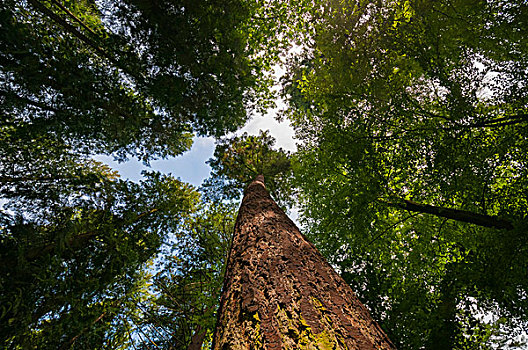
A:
454, 214
280, 293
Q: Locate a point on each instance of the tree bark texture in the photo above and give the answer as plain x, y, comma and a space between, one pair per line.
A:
280, 293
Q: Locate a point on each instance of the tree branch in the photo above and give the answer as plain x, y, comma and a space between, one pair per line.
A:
453, 214
74, 242
75, 18
28, 101
81, 36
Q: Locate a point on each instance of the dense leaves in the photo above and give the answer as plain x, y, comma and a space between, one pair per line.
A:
181, 312
411, 117
413, 162
72, 246
239, 159
128, 77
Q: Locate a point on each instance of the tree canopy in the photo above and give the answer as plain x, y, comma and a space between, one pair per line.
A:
126, 78
130, 77
239, 159
412, 166
410, 177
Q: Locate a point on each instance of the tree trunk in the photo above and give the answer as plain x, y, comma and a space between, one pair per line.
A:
197, 338
454, 214
444, 331
280, 293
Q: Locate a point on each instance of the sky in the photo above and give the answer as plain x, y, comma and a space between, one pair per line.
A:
191, 167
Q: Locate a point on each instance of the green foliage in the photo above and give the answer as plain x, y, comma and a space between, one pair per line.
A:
238, 160
416, 100
391, 100
72, 258
129, 77
186, 289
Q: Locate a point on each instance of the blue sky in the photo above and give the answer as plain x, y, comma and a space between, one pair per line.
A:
191, 167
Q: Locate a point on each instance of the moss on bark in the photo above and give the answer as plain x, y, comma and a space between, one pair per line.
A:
280, 293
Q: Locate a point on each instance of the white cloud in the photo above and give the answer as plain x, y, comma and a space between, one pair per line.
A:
281, 131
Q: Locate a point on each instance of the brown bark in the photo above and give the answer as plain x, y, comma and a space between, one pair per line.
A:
197, 339
280, 293
455, 214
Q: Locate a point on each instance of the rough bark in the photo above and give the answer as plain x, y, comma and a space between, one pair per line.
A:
280, 293
455, 214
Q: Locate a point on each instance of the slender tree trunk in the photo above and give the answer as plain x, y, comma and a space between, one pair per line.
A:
454, 214
443, 334
197, 339
280, 293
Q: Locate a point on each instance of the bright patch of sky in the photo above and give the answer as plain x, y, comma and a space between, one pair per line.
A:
191, 167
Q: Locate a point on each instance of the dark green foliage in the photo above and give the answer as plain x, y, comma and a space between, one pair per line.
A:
400, 102
129, 77
72, 255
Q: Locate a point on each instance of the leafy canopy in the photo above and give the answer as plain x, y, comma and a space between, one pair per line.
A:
406, 111
409, 104
129, 77
239, 159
